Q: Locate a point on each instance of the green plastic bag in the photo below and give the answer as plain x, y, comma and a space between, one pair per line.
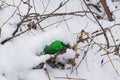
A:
54, 47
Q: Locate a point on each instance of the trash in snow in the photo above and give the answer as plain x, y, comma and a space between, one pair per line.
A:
54, 47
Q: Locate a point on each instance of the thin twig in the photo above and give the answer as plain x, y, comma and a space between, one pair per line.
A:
11, 15
76, 13
47, 73
56, 23
8, 39
3, 2
69, 78
66, 23
46, 7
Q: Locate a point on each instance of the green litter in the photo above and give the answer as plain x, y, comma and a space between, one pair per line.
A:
54, 47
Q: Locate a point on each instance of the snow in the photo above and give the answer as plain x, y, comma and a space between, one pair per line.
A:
64, 57
36, 74
19, 55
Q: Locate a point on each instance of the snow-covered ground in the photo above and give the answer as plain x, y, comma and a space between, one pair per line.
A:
18, 56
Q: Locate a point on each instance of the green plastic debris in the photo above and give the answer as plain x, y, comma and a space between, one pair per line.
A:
54, 47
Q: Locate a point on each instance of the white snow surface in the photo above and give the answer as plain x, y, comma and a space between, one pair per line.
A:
18, 56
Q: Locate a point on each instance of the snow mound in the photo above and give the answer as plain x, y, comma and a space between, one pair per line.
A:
20, 55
